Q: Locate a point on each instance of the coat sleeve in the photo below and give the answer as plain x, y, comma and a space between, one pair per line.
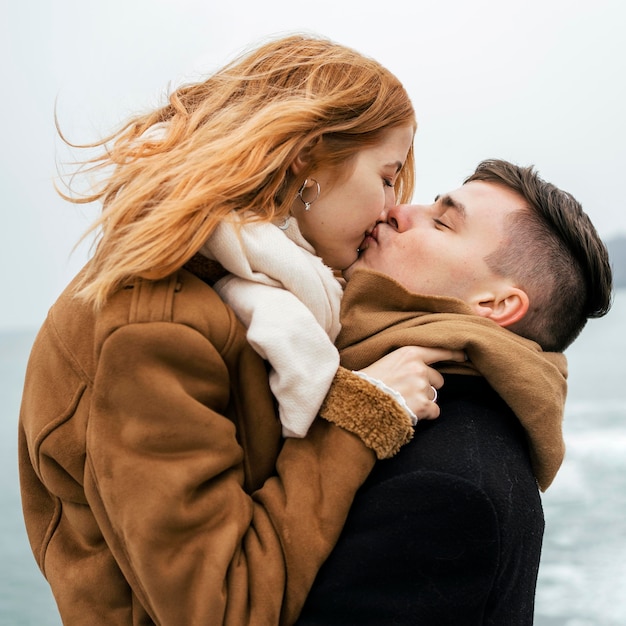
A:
164, 478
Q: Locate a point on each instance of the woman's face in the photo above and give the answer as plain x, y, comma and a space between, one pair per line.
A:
350, 203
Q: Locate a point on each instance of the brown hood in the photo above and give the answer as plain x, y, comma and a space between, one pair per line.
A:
380, 315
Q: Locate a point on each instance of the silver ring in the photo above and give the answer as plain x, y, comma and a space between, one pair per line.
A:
435, 392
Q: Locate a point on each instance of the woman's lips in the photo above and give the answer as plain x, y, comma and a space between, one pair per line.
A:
371, 236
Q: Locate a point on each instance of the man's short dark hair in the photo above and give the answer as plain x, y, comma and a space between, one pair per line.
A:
554, 254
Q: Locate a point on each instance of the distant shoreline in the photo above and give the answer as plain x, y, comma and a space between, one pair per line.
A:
15, 332
617, 254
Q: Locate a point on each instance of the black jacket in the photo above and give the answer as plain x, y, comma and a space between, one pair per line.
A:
448, 532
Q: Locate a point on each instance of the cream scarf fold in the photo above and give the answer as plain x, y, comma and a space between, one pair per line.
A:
378, 315
289, 302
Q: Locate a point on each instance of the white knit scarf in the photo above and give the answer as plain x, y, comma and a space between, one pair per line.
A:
289, 302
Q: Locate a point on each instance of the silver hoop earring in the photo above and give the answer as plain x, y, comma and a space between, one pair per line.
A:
307, 205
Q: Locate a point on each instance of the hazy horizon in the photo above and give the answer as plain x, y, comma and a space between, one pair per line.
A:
539, 82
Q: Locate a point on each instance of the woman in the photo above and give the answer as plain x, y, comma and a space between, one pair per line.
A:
156, 486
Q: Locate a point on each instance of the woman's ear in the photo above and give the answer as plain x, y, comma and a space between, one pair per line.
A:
302, 160
506, 308
298, 164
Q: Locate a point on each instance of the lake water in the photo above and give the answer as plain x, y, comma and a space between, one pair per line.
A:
582, 579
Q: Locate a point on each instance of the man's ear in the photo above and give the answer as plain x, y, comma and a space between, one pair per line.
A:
504, 309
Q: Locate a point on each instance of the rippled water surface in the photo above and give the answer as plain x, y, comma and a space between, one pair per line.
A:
583, 572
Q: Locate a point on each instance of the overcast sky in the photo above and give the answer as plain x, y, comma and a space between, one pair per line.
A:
537, 82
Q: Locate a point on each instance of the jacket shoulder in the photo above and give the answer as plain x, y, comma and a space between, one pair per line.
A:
76, 332
181, 298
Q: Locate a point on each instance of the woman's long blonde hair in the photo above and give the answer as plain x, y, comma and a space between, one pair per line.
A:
226, 144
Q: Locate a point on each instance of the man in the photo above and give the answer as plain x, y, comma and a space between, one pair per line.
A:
449, 531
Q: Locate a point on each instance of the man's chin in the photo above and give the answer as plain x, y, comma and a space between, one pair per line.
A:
348, 271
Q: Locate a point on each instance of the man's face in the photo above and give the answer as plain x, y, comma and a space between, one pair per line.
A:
440, 249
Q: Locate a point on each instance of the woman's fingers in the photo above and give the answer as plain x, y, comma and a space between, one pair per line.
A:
407, 370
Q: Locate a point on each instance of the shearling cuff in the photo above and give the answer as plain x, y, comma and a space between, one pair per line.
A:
368, 412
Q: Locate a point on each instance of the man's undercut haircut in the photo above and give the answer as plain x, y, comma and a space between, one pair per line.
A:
554, 254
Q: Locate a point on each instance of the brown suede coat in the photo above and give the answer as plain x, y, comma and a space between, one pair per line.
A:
155, 484
378, 315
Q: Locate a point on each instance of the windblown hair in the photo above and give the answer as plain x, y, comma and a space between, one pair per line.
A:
226, 144
554, 253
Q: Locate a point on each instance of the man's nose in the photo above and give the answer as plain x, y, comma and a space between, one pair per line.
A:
402, 216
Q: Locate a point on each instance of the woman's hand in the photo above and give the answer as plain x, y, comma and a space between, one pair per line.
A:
406, 370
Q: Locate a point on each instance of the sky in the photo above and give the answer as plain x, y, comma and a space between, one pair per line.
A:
539, 82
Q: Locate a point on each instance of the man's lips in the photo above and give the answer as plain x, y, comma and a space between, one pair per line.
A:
371, 236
